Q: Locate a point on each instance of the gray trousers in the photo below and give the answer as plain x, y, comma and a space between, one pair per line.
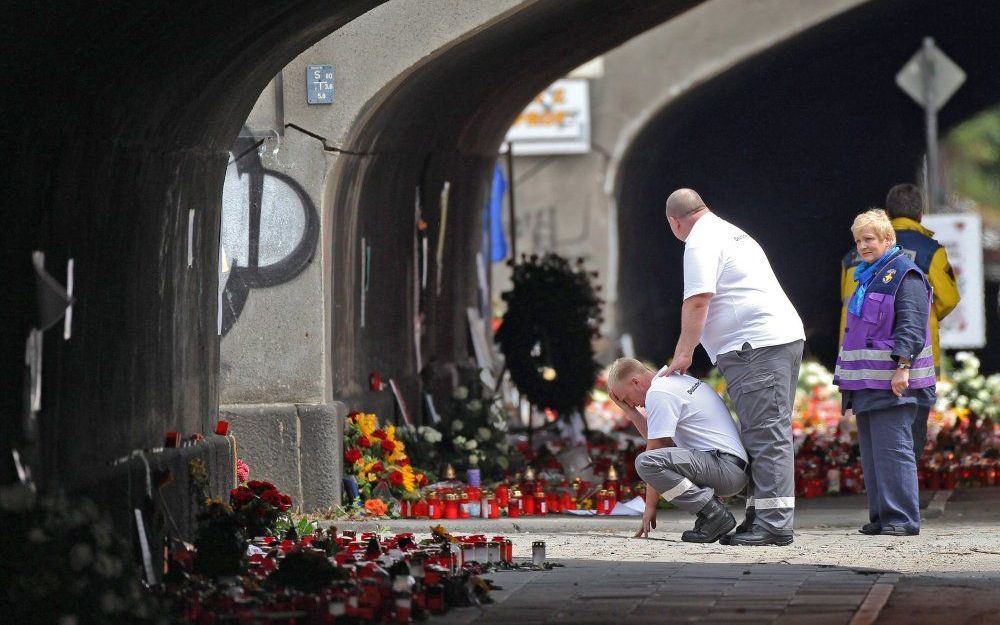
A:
919, 431
687, 478
761, 382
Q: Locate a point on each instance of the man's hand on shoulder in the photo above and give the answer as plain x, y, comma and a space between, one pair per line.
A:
680, 363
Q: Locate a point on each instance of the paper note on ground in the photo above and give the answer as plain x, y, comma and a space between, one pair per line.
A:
634, 507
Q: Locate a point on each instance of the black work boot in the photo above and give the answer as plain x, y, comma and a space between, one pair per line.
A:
713, 521
759, 537
745, 526
871, 528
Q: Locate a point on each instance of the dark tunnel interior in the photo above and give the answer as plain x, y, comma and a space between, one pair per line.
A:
120, 167
790, 146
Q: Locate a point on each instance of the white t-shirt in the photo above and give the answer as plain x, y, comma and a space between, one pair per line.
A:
748, 304
692, 414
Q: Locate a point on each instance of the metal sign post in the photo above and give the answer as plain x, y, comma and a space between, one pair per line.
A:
931, 78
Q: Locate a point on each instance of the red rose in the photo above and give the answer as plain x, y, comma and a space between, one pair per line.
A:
259, 487
405, 462
286, 502
240, 496
379, 434
377, 468
388, 445
396, 477
354, 413
352, 456
273, 498
364, 442
421, 479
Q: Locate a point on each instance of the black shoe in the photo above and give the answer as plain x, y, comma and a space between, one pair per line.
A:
748, 520
871, 529
895, 530
713, 522
745, 526
758, 537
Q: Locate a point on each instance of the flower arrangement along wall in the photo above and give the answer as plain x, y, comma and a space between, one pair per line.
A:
553, 315
377, 459
64, 563
472, 433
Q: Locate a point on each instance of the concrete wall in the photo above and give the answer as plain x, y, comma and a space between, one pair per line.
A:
277, 311
565, 203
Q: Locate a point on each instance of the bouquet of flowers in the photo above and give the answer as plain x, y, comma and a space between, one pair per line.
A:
220, 542
259, 507
472, 435
969, 389
375, 456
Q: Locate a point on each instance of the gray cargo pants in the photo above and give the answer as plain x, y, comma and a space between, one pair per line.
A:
688, 478
761, 382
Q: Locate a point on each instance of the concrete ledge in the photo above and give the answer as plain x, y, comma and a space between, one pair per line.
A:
168, 509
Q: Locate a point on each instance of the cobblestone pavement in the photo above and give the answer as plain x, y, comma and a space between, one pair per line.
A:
950, 573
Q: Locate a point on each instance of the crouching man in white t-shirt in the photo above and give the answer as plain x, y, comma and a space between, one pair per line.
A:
693, 449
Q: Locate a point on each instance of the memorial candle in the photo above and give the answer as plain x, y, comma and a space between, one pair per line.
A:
451, 506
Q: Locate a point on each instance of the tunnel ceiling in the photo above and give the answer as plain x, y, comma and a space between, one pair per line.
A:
790, 145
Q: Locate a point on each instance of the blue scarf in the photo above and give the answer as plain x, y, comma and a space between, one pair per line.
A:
864, 273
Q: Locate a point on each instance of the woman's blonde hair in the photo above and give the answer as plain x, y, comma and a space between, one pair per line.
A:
876, 220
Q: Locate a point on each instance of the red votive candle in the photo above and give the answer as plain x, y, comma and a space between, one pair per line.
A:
222, 427
172, 439
503, 495
451, 506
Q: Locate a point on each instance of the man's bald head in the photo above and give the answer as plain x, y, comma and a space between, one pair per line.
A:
683, 202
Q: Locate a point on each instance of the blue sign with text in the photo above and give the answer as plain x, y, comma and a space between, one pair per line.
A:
319, 84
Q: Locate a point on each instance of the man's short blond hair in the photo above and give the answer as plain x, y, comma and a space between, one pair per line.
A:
622, 368
876, 220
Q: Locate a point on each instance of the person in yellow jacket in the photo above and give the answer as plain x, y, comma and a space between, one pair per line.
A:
904, 204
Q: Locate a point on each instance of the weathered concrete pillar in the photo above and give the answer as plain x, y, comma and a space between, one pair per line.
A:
283, 381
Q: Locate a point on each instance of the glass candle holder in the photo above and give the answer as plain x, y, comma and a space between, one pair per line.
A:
538, 552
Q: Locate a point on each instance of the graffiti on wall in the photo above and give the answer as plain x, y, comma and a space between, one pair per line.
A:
269, 229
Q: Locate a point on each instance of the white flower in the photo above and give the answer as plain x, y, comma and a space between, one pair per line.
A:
811, 380
484, 434
471, 444
962, 401
107, 566
459, 440
474, 406
962, 356
460, 393
110, 602
473, 460
976, 406
503, 462
80, 556
457, 425
983, 395
430, 434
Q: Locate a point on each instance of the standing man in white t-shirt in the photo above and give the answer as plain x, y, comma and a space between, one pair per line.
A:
735, 307
693, 450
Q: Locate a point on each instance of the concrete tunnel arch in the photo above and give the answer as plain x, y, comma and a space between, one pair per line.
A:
125, 156
789, 145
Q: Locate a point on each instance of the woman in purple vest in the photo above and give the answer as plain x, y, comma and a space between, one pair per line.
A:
885, 370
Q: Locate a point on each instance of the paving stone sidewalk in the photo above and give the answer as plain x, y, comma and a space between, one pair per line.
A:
592, 592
